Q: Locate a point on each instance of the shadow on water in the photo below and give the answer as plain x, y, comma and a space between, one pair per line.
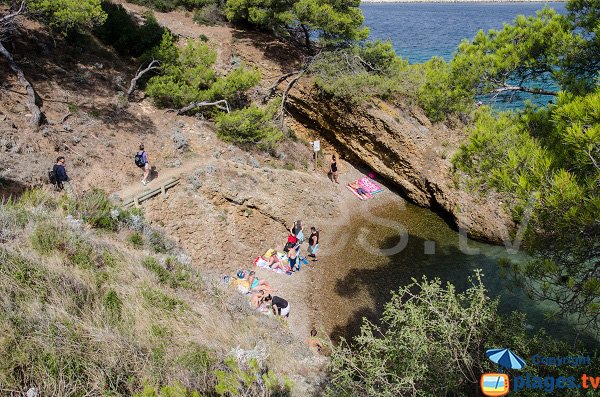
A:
357, 283
10, 189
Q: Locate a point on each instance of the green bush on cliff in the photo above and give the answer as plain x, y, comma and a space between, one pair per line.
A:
80, 317
432, 342
437, 92
546, 163
335, 23
188, 75
361, 72
372, 69
122, 31
251, 125
170, 5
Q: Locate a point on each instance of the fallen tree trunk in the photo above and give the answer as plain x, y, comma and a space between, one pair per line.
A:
194, 105
36, 114
152, 66
281, 114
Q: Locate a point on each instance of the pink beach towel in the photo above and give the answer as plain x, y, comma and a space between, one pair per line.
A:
369, 186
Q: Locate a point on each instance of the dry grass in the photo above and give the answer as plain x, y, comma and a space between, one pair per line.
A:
84, 313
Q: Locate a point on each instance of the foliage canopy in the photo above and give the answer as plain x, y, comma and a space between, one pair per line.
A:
188, 75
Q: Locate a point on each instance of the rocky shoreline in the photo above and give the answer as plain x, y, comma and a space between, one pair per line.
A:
406, 149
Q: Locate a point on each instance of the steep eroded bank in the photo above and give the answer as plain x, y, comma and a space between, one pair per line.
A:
404, 147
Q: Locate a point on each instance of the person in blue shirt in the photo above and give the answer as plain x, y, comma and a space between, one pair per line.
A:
60, 173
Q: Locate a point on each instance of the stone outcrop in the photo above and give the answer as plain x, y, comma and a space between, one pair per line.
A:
404, 147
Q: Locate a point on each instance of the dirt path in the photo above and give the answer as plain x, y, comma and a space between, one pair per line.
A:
186, 168
207, 222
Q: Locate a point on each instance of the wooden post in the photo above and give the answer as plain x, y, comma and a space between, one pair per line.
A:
163, 190
316, 148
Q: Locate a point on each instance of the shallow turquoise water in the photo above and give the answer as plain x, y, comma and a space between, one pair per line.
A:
355, 282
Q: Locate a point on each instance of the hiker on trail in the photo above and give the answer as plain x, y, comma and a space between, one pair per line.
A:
313, 243
60, 174
333, 169
280, 306
141, 160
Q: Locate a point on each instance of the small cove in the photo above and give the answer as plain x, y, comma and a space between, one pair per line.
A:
353, 281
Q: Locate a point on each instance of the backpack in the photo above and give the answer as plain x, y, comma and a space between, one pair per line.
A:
139, 160
52, 176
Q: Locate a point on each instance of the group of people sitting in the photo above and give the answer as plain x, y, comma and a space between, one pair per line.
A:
261, 292
289, 261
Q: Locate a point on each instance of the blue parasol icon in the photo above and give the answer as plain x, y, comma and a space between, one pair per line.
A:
505, 358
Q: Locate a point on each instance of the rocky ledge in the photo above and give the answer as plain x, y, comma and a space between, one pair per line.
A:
404, 147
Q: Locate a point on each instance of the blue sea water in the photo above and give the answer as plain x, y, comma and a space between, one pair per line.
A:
420, 31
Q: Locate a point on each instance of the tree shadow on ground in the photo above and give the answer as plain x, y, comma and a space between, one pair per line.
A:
286, 54
11, 189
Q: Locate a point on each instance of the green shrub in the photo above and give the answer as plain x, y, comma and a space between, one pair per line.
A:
210, 14
437, 93
19, 272
197, 359
174, 274
121, 31
187, 76
362, 72
236, 380
158, 299
113, 305
32, 198
82, 255
47, 238
163, 275
167, 391
158, 242
94, 208
108, 259
422, 325
170, 5
136, 240
252, 125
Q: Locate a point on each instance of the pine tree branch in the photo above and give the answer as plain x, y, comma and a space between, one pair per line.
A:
152, 66
194, 105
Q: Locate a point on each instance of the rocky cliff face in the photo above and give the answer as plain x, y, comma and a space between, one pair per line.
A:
404, 147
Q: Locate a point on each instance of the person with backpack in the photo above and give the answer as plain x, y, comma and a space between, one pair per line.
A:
141, 160
59, 175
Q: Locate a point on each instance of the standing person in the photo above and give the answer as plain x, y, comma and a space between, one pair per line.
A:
313, 243
141, 160
333, 169
60, 173
280, 306
293, 258
297, 231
